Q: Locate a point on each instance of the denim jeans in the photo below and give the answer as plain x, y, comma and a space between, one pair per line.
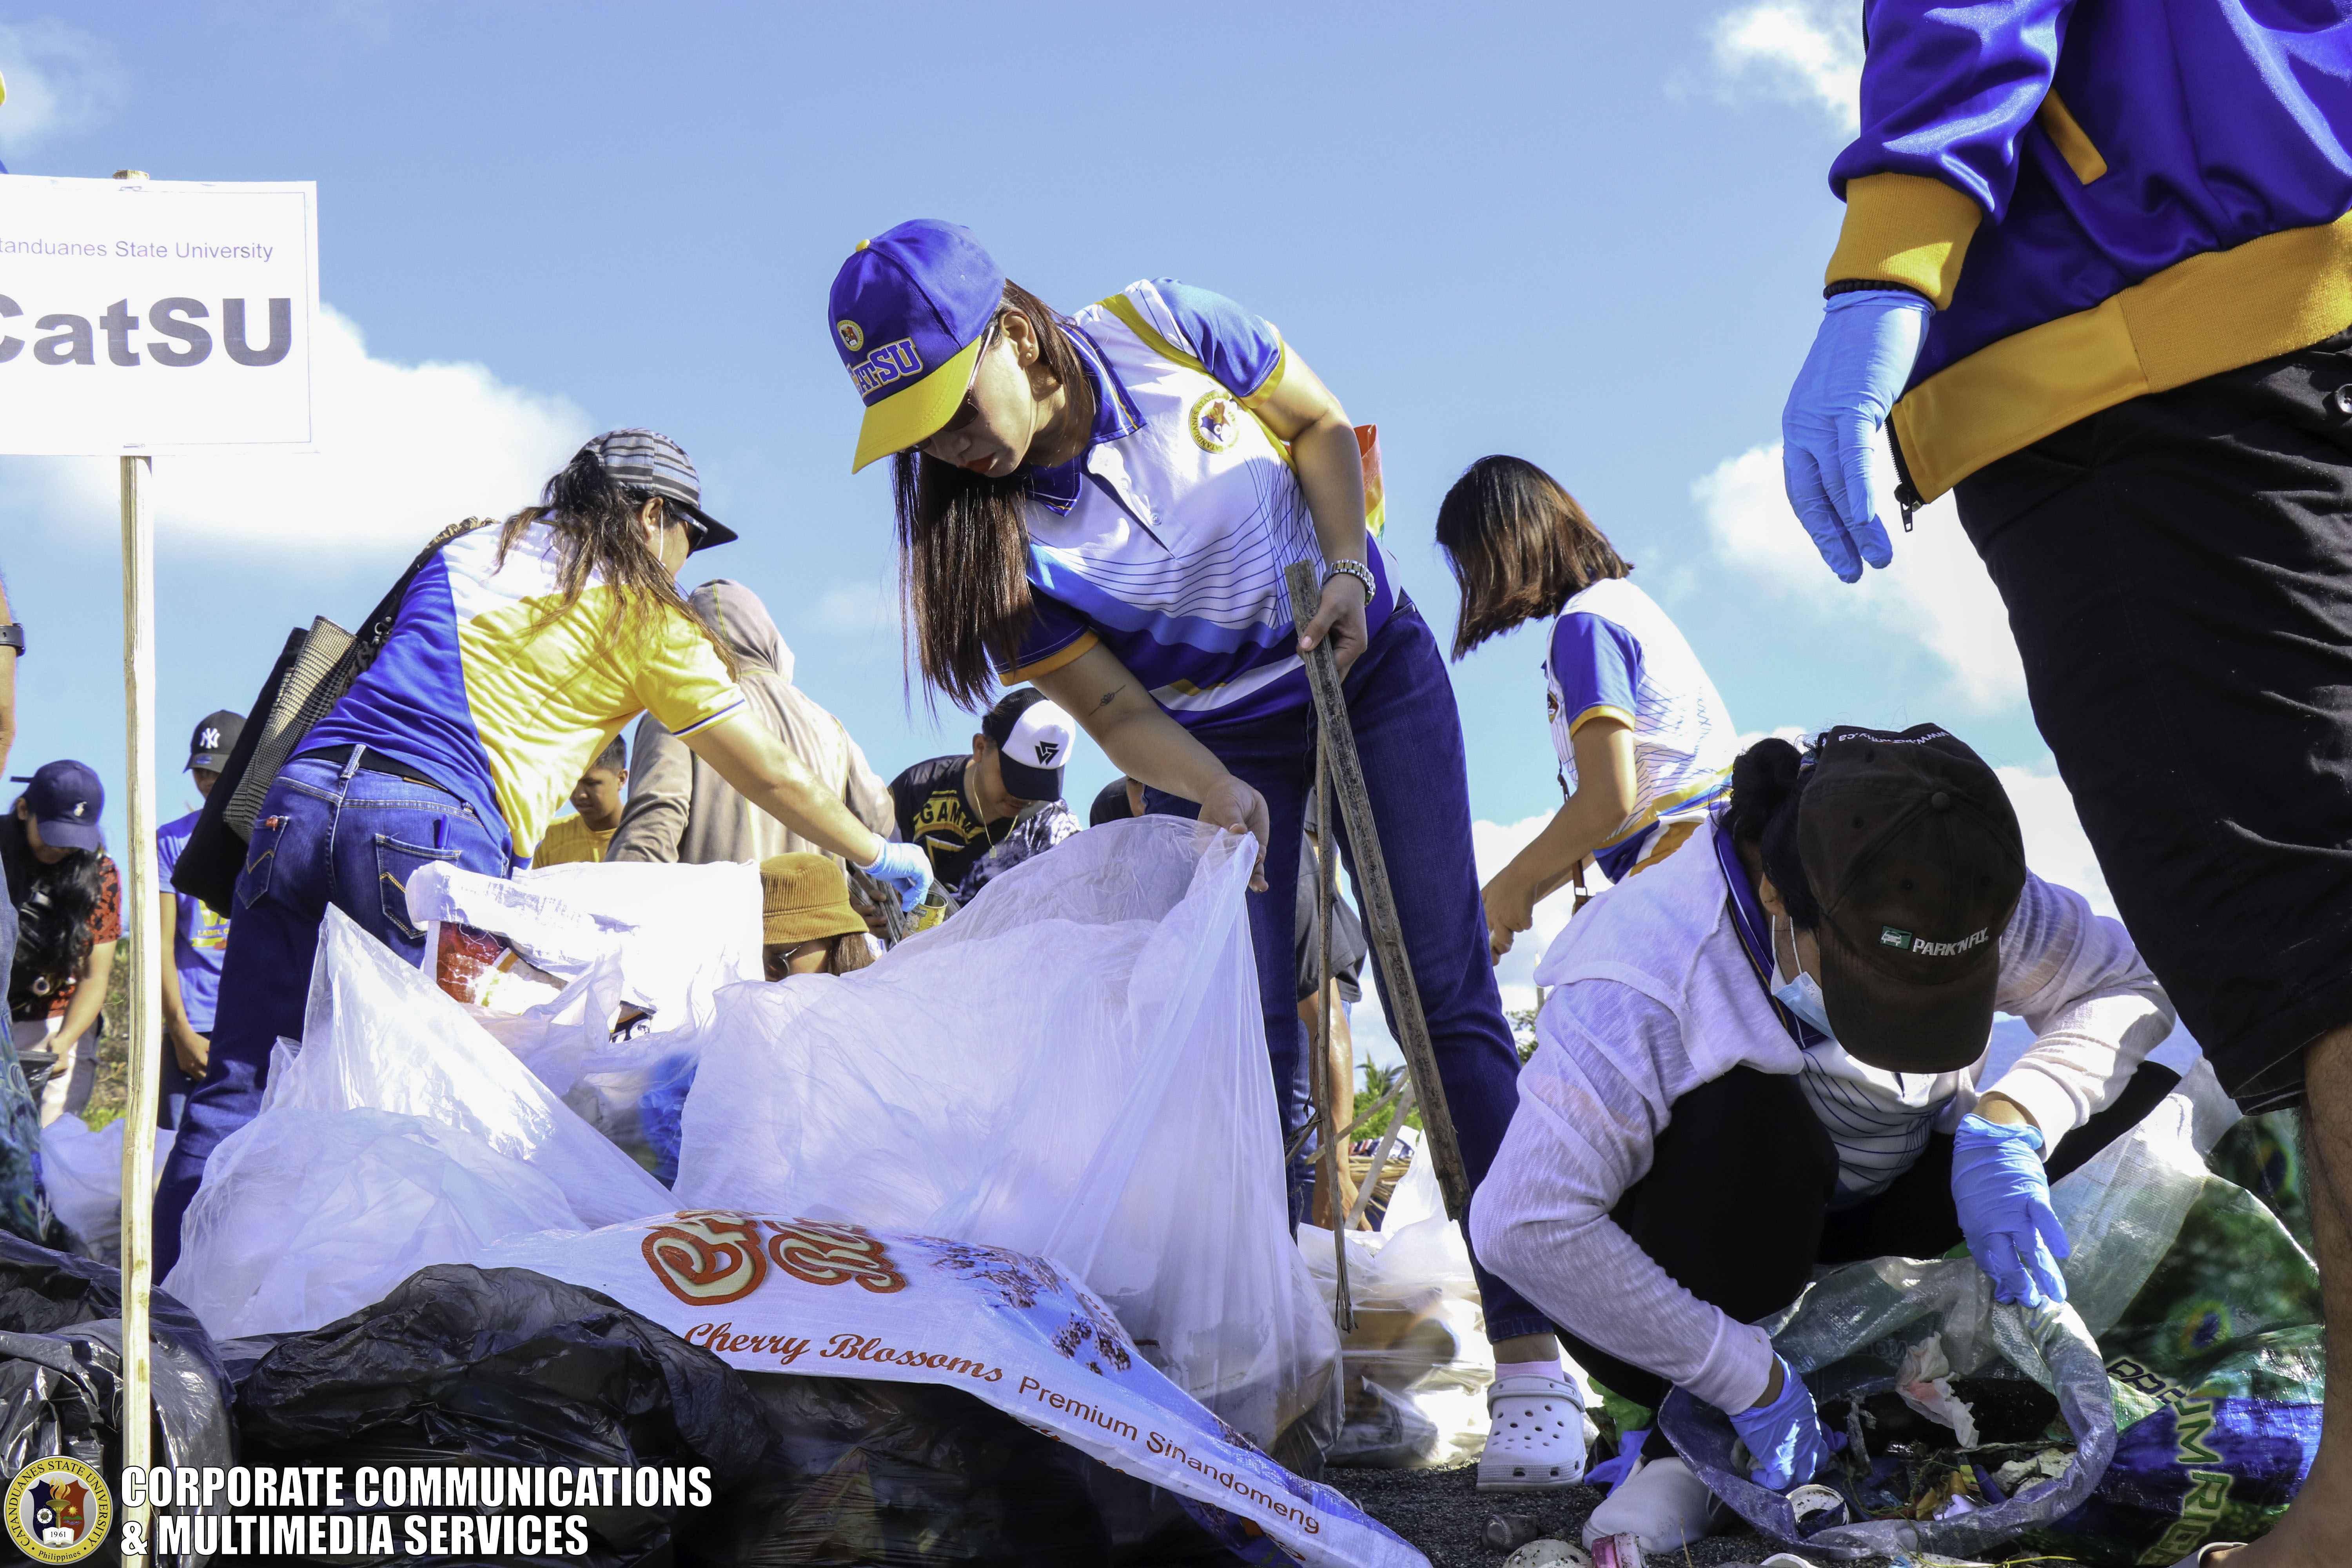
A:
1409, 736
329, 834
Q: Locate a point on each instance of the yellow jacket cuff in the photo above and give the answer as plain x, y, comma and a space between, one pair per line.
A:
1908, 229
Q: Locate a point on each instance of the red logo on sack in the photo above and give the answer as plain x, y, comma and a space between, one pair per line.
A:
712, 1256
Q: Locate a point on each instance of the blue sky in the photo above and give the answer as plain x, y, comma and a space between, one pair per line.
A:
1589, 235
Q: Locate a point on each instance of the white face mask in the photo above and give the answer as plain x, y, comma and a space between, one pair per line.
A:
1801, 995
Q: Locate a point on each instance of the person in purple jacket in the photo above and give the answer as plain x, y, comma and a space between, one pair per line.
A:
2096, 276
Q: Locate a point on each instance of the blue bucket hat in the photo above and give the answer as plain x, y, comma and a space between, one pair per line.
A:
908, 311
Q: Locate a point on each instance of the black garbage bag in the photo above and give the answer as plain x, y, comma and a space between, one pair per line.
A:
473, 1366
912, 1474
60, 1366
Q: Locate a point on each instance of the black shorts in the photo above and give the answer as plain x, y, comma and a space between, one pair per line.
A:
2178, 571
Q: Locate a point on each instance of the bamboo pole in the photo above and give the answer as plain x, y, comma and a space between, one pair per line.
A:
1327, 1097
1379, 903
142, 923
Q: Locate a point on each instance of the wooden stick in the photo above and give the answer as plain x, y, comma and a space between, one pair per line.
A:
1381, 1157
143, 922
1343, 1307
1380, 923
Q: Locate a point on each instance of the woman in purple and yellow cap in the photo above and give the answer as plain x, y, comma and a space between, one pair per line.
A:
1103, 504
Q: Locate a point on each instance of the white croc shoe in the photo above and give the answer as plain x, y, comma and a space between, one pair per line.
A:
1537, 1434
2197, 1558
1663, 1505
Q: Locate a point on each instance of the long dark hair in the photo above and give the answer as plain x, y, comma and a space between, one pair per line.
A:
595, 520
53, 905
1520, 545
964, 540
1768, 780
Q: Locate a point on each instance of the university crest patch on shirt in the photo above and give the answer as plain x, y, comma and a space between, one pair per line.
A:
1216, 421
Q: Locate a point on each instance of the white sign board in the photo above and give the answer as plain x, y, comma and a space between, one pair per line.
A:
156, 315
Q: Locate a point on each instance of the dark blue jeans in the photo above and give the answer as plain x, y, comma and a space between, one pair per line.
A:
328, 835
1409, 734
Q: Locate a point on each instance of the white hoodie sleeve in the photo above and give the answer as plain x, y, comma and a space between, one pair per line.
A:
2095, 1010
1609, 1065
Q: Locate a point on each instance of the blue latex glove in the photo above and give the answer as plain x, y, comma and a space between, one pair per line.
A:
905, 868
1786, 1437
1830, 456
1614, 1473
2004, 1197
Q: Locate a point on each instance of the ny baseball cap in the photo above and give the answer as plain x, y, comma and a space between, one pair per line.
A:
65, 800
908, 311
650, 461
1912, 851
1032, 741
215, 738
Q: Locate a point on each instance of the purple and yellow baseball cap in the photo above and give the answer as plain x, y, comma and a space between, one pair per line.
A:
909, 310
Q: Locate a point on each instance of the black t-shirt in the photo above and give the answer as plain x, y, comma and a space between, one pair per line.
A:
934, 812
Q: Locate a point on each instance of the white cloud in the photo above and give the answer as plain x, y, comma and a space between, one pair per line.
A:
402, 450
1935, 593
60, 80
1494, 844
2056, 846
1796, 51
857, 609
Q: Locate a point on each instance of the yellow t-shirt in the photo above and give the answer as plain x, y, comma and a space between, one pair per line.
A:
507, 716
570, 841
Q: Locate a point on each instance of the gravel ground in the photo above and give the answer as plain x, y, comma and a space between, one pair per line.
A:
1440, 1512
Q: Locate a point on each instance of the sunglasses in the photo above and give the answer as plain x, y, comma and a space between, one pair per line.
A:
967, 413
675, 511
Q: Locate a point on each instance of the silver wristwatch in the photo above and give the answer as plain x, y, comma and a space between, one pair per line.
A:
1356, 569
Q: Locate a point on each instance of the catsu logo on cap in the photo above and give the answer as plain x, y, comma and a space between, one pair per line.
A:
853, 337
1047, 750
891, 361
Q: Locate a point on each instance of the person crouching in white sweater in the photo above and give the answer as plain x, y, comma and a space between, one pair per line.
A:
1764, 1054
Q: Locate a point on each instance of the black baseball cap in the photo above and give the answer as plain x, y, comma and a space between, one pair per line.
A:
1913, 851
65, 800
1032, 737
650, 461
214, 738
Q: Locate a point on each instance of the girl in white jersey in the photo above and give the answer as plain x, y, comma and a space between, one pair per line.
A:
1644, 742
1103, 503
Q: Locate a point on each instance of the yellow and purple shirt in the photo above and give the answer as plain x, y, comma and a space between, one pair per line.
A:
508, 715
1165, 541
1613, 651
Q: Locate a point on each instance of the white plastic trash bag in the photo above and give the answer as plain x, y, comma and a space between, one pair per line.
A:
399, 1135
658, 938
82, 1172
1074, 1065
1415, 1369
